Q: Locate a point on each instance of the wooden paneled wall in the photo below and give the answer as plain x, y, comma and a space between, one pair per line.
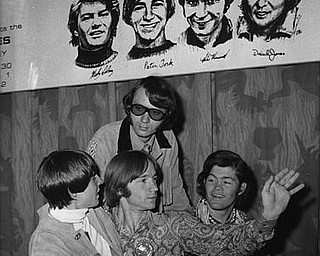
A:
270, 116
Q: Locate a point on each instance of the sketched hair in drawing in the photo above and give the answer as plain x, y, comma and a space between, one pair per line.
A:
269, 26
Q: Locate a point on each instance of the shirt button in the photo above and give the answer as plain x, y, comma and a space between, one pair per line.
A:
77, 236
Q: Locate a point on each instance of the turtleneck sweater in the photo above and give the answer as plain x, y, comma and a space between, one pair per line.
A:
97, 58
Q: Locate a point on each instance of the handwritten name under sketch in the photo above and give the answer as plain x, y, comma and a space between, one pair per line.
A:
158, 64
101, 71
270, 53
214, 56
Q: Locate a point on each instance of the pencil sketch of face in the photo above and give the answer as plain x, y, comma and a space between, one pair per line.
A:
149, 18
264, 13
204, 16
94, 24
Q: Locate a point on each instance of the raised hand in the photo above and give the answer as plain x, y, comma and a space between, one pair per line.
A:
286, 178
275, 193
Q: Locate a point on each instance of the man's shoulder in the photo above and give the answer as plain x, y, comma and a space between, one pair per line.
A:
46, 235
50, 225
48, 241
99, 211
104, 139
109, 128
100, 217
169, 133
106, 134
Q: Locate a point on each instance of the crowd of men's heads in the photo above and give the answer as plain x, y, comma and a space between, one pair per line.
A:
65, 172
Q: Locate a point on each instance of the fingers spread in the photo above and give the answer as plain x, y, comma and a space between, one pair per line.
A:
281, 174
296, 189
292, 179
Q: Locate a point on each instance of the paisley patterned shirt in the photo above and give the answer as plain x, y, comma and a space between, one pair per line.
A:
174, 232
203, 213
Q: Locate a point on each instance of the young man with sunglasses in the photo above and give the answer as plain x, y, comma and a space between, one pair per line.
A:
150, 107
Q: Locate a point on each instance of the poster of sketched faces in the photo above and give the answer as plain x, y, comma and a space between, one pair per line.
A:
49, 44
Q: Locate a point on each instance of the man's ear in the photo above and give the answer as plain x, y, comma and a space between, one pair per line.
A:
242, 188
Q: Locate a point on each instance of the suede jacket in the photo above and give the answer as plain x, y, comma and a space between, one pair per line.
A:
55, 238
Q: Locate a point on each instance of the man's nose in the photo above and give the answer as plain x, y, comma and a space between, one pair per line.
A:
262, 3
154, 186
218, 186
148, 15
96, 20
201, 10
145, 118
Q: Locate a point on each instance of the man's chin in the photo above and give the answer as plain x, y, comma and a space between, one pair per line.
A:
144, 134
148, 40
215, 205
94, 47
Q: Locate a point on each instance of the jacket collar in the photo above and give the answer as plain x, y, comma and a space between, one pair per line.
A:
58, 226
124, 140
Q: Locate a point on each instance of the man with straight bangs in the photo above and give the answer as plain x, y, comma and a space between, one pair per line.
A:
131, 187
72, 223
93, 26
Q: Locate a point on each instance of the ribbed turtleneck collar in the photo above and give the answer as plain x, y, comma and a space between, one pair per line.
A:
94, 59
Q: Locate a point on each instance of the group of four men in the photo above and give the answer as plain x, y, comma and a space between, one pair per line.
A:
134, 162
93, 25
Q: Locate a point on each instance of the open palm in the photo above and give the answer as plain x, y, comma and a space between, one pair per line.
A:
276, 193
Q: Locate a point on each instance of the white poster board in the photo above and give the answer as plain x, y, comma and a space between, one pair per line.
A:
35, 52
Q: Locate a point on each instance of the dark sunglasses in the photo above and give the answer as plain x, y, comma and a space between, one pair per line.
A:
154, 114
